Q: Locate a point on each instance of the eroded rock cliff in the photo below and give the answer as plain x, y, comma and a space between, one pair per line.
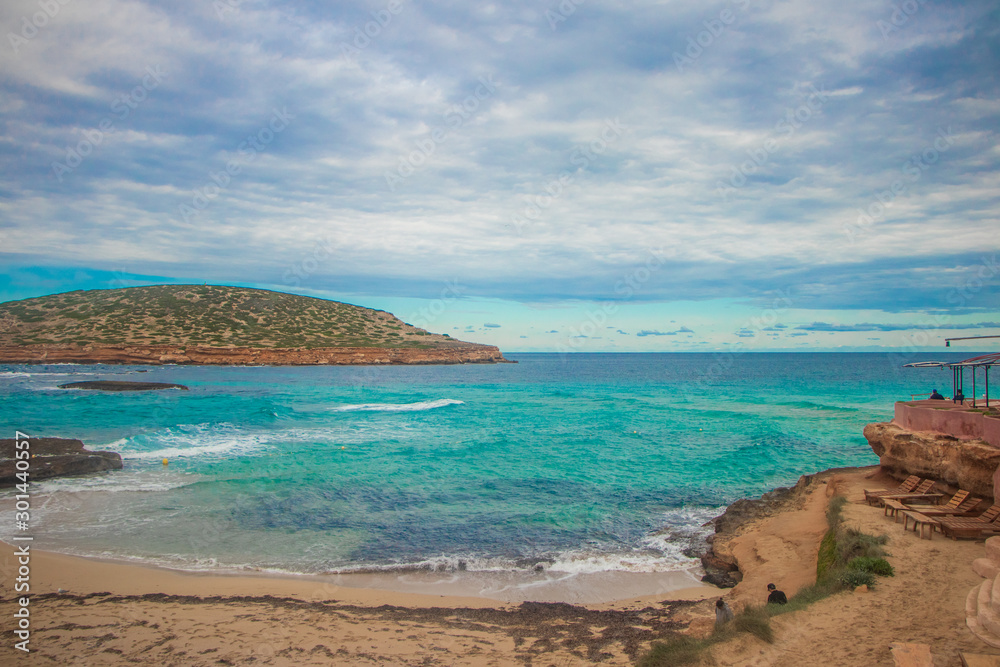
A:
456, 353
962, 463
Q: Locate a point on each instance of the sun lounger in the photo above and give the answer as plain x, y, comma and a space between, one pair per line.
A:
921, 493
906, 486
983, 525
966, 508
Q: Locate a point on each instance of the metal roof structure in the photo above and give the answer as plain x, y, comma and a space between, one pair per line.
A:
984, 361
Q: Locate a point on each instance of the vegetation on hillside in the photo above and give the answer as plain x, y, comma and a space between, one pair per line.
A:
209, 315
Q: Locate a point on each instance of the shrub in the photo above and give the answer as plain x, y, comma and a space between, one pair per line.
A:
827, 554
879, 566
678, 650
756, 621
852, 543
853, 578
835, 510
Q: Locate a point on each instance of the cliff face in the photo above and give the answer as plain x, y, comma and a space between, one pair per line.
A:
967, 464
456, 353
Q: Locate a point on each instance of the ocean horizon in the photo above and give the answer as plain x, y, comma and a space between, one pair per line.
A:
552, 469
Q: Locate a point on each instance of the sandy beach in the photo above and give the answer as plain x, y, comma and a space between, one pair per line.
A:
101, 613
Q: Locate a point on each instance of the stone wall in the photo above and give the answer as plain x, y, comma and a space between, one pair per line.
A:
942, 417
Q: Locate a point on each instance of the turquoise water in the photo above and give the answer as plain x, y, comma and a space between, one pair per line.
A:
564, 463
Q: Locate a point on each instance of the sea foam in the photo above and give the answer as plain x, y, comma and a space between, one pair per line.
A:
398, 407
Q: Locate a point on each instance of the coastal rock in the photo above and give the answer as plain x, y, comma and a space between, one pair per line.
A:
451, 353
54, 457
966, 464
721, 566
121, 385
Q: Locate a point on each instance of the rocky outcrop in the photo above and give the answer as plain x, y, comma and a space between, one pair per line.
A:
53, 457
120, 385
962, 463
457, 353
720, 564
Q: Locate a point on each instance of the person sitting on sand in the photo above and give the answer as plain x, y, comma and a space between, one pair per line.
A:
936, 396
959, 398
723, 614
775, 596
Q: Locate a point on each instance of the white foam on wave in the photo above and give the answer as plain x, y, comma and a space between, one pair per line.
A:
398, 407
14, 374
202, 440
118, 482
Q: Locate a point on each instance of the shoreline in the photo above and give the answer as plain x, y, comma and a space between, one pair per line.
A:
88, 574
115, 613
459, 585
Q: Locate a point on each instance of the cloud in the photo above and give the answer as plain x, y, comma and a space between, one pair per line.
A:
534, 165
490, 325
654, 332
867, 326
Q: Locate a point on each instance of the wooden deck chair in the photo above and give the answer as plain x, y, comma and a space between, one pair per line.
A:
906, 486
971, 528
921, 493
966, 508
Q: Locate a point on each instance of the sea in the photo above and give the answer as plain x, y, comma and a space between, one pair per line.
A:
563, 477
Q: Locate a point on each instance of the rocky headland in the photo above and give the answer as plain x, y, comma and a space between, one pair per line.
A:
719, 558
217, 325
53, 457
156, 355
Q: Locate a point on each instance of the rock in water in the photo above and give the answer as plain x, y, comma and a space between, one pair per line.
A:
54, 457
121, 385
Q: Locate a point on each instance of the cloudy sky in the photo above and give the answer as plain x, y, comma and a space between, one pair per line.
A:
542, 175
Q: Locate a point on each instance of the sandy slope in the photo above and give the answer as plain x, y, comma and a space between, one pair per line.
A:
924, 602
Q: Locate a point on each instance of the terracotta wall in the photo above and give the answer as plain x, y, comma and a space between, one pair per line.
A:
920, 416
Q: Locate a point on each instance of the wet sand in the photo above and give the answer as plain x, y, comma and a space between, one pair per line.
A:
114, 613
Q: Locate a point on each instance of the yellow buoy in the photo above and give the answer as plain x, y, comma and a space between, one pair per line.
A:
343, 447
165, 462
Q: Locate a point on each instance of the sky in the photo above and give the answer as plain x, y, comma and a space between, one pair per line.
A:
545, 175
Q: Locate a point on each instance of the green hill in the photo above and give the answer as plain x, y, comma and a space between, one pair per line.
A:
208, 315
